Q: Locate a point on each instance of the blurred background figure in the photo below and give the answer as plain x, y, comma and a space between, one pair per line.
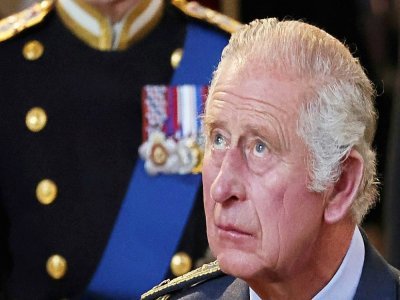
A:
79, 213
228, 7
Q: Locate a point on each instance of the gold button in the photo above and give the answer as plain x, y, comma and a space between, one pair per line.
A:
33, 50
46, 191
181, 263
176, 57
36, 119
56, 266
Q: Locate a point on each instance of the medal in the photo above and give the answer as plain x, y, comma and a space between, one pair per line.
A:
159, 154
172, 128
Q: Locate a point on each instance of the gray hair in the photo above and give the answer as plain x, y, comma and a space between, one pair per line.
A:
339, 113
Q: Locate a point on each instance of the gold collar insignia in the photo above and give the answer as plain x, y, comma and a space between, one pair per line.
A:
89, 25
197, 11
29, 17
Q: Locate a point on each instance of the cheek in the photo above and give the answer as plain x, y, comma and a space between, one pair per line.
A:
267, 195
298, 219
303, 206
284, 206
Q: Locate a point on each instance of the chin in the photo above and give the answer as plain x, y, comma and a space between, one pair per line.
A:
237, 264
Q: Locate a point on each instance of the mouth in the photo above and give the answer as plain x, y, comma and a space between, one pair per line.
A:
232, 230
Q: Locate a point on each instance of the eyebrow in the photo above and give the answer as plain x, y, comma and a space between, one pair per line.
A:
210, 121
275, 125
213, 123
264, 133
256, 130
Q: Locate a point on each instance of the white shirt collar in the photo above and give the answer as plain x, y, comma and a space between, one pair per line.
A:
343, 284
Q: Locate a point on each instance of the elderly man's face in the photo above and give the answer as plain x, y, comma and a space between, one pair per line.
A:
261, 218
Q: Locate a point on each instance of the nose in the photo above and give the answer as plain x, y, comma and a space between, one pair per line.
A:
229, 183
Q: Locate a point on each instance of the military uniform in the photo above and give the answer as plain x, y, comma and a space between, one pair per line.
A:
70, 123
378, 281
207, 282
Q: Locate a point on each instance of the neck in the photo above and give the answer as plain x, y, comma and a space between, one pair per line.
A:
114, 10
314, 270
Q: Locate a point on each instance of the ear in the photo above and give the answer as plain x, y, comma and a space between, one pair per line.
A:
345, 189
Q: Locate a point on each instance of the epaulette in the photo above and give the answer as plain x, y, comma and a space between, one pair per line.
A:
205, 272
16, 23
197, 11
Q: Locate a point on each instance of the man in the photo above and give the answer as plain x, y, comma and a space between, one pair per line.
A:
289, 172
75, 197
367, 32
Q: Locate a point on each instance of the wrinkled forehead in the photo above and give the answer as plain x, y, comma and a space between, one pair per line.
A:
252, 80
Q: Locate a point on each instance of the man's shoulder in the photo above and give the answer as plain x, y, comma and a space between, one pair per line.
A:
202, 274
27, 18
379, 280
396, 274
196, 11
206, 282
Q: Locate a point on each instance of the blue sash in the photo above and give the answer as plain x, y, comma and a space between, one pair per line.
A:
156, 208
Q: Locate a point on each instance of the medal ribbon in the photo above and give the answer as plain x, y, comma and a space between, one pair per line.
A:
174, 110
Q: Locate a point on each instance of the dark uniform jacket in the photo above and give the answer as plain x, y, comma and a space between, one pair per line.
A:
378, 281
70, 129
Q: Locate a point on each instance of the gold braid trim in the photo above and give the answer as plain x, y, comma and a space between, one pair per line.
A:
16, 23
197, 11
189, 278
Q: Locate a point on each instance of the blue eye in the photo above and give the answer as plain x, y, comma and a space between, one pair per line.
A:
260, 148
219, 141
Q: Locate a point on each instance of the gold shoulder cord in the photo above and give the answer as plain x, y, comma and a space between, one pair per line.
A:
197, 11
206, 269
16, 23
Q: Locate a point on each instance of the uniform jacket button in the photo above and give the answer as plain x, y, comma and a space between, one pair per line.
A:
56, 266
181, 263
36, 119
176, 57
33, 50
46, 191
